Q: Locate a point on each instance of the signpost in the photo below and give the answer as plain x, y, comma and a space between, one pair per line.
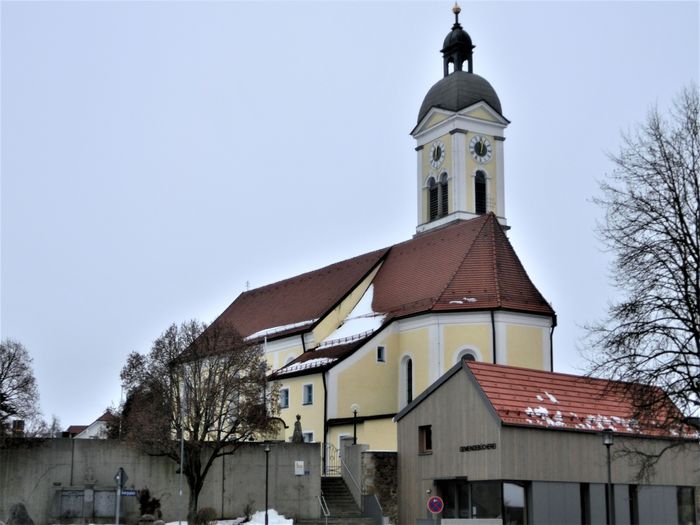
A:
120, 477
435, 506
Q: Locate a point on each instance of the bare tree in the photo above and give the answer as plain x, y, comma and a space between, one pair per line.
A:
19, 397
207, 385
651, 335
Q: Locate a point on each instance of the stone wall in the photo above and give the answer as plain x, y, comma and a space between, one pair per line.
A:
47, 475
379, 478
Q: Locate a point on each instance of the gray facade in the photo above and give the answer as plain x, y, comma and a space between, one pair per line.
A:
75, 478
560, 471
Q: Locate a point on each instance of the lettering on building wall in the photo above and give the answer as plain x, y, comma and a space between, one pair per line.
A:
479, 446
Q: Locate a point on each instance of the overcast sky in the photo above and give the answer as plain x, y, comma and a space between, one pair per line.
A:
158, 156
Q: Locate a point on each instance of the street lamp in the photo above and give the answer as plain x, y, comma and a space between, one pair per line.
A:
267, 464
610, 507
355, 409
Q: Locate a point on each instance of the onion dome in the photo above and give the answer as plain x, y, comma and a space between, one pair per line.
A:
459, 89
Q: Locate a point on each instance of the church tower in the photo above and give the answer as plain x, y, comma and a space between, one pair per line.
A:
459, 136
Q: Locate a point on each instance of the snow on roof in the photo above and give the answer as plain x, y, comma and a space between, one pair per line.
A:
359, 323
523, 396
278, 329
309, 363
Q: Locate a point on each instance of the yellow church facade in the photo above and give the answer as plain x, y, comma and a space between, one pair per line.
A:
351, 344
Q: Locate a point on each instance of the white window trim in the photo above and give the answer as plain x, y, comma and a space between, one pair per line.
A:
310, 433
403, 398
383, 359
303, 394
287, 390
467, 349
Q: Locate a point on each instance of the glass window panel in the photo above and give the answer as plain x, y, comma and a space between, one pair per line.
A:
514, 504
464, 503
486, 500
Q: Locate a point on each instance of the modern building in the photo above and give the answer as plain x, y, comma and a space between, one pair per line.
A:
353, 343
514, 445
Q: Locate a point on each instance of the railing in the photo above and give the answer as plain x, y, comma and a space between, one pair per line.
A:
324, 507
332, 466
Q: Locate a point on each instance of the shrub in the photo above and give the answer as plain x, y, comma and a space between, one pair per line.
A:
205, 516
148, 504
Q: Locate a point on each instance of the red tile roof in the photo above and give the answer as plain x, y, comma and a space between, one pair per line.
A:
317, 360
470, 265
306, 297
552, 400
74, 430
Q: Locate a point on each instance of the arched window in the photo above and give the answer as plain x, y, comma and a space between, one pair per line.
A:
480, 192
406, 381
409, 380
438, 197
432, 199
443, 195
467, 354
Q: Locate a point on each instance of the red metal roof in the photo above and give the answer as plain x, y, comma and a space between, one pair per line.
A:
469, 265
551, 400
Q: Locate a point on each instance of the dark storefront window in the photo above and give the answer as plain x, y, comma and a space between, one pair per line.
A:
480, 500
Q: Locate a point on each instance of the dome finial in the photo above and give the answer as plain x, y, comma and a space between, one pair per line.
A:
456, 10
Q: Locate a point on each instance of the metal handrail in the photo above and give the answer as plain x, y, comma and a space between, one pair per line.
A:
324, 507
343, 464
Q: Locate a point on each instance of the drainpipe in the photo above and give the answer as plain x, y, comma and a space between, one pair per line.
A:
493, 336
551, 349
325, 422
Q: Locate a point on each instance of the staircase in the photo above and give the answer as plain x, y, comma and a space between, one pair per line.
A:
342, 506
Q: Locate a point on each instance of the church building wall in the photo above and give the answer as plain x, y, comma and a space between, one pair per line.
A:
311, 414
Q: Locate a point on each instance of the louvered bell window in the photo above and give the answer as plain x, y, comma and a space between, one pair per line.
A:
480, 192
443, 195
433, 199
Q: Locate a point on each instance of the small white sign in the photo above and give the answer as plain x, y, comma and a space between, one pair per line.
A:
298, 468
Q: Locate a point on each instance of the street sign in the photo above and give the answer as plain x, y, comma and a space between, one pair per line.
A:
435, 505
130, 492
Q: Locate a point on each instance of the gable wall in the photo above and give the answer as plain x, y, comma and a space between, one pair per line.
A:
458, 416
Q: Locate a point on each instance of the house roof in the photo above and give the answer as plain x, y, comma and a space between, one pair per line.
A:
76, 429
469, 265
318, 360
536, 398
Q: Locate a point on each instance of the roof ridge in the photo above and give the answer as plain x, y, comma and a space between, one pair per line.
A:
497, 280
461, 262
381, 252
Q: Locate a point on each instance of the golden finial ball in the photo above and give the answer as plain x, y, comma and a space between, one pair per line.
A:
456, 9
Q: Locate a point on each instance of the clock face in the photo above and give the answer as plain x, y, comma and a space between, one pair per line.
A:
437, 154
481, 149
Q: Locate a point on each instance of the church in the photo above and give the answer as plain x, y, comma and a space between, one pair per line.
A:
351, 344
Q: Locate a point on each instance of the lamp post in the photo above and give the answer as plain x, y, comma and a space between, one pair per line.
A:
610, 507
355, 409
267, 464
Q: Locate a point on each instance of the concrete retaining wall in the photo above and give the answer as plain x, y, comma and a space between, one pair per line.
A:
40, 473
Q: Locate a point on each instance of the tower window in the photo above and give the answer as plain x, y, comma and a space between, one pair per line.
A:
443, 195
433, 199
480, 192
438, 197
